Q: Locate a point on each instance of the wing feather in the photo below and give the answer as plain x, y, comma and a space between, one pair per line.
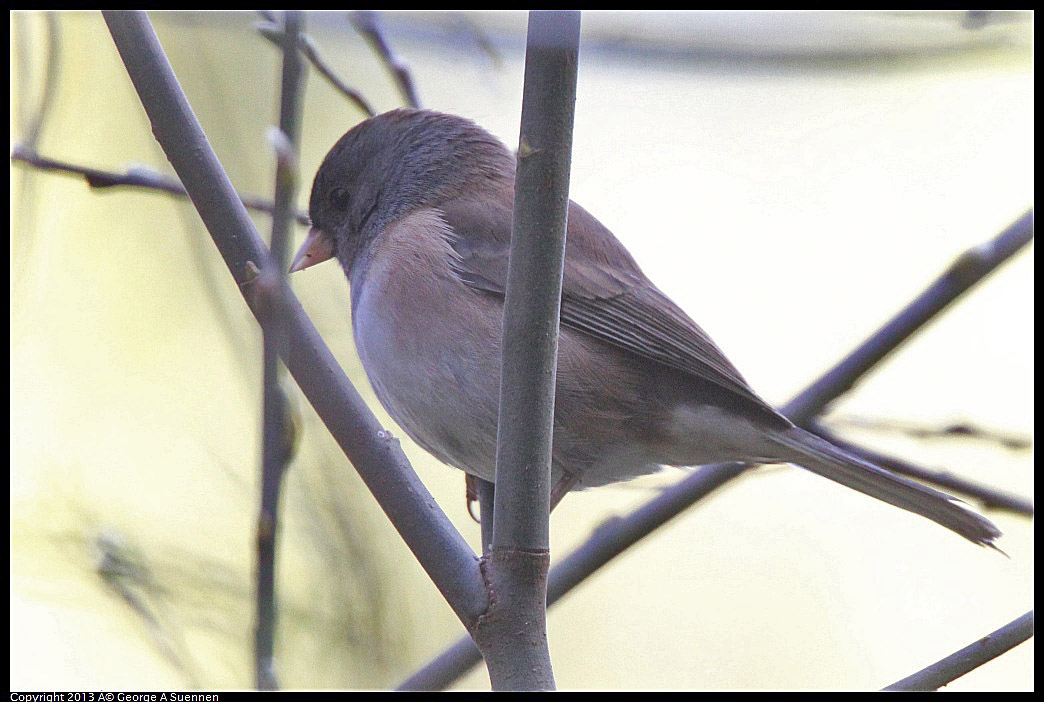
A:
604, 293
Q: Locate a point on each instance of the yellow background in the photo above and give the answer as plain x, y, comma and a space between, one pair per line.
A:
790, 205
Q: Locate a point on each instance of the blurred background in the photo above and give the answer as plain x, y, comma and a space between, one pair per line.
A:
790, 179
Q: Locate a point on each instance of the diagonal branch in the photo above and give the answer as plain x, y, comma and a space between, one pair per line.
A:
377, 457
968, 658
951, 430
967, 270
133, 178
274, 33
620, 533
368, 23
989, 497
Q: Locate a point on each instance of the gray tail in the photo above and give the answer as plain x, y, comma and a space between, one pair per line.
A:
823, 458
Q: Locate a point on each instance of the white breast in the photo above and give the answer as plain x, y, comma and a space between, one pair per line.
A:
429, 345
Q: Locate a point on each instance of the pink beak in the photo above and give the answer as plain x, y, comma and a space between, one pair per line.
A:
317, 247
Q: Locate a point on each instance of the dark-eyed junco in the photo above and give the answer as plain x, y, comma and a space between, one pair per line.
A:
416, 205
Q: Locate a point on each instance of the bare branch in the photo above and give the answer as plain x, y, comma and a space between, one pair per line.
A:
138, 177
274, 33
609, 540
959, 430
513, 634
368, 23
989, 497
968, 658
275, 453
485, 493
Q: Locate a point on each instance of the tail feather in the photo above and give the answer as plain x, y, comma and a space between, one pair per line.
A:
823, 458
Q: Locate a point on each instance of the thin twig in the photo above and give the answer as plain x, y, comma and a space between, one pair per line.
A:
481, 38
953, 430
274, 33
137, 177
610, 539
34, 125
485, 492
275, 441
989, 497
126, 572
968, 658
368, 23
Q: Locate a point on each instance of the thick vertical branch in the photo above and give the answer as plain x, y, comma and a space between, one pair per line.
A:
513, 635
276, 442
534, 285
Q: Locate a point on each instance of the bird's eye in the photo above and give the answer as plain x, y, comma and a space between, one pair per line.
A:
339, 198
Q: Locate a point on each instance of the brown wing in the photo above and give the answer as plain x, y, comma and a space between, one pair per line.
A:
604, 293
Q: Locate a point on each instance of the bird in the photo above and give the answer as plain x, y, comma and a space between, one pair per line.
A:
416, 206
